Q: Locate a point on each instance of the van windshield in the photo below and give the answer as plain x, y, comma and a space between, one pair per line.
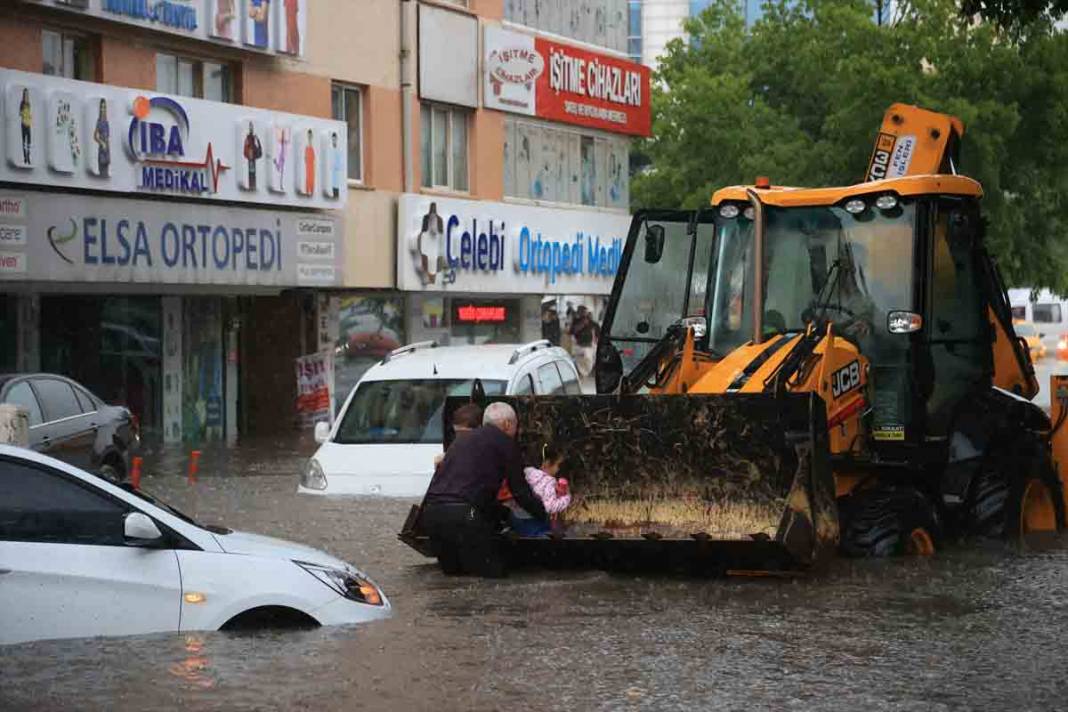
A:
402, 411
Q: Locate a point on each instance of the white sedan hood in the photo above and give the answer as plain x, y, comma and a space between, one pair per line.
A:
250, 544
389, 470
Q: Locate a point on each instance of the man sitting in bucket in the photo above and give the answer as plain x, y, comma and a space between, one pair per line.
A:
460, 514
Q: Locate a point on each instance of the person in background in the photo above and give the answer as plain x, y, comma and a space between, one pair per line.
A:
554, 494
460, 512
292, 8
584, 332
550, 323
465, 420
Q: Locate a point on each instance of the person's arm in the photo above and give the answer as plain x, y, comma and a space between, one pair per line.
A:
517, 482
544, 487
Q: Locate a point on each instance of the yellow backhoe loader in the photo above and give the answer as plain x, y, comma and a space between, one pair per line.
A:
841, 357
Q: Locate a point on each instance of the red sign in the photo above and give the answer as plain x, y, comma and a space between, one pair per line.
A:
471, 314
591, 89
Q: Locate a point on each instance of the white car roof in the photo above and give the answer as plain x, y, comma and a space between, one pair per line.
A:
490, 362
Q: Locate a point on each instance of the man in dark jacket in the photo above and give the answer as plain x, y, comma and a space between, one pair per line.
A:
460, 513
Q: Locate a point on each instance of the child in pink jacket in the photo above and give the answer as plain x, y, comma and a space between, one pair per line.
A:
552, 492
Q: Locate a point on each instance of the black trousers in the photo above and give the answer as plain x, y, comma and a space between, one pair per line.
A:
465, 540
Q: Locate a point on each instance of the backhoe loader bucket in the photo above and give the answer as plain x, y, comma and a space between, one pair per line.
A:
696, 485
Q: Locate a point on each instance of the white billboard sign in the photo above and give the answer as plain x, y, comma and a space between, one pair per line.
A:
511, 70
449, 245
85, 238
274, 26
61, 132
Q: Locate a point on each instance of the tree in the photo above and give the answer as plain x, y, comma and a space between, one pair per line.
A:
800, 95
1008, 13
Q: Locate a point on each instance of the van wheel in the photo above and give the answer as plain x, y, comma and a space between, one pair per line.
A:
888, 521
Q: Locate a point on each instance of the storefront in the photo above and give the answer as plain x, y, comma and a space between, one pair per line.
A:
480, 272
187, 299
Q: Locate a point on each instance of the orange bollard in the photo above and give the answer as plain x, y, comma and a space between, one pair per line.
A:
194, 466
135, 472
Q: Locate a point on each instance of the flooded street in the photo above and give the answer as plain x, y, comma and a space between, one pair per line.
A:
975, 629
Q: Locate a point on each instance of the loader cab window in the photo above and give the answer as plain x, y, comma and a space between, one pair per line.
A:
731, 284
656, 292
956, 329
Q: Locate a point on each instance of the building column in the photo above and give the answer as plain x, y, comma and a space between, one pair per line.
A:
172, 369
28, 355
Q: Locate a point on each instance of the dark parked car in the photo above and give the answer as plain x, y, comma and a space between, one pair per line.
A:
71, 424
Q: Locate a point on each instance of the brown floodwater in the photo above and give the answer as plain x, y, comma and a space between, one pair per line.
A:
972, 628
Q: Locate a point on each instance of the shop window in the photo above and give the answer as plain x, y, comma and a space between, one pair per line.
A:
68, 55
1047, 313
193, 77
347, 104
547, 162
443, 142
9, 330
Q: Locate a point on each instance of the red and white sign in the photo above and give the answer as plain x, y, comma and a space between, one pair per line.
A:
538, 77
314, 377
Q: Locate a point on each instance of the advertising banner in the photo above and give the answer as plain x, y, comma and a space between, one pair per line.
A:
272, 26
314, 373
62, 132
535, 76
83, 238
448, 245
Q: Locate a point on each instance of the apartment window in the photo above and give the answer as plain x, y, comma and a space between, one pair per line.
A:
348, 107
444, 146
634, 30
193, 77
68, 55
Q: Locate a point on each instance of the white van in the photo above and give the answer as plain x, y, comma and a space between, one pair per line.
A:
390, 428
1048, 312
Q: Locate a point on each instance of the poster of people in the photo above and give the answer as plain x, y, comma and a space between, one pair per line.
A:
22, 107
333, 164
223, 19
65, 146
98, 117
281, 140
307, 158
258, 22
290, 24
250, 175
313, 388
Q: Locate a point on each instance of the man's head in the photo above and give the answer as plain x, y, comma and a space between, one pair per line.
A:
502, 417
466, 417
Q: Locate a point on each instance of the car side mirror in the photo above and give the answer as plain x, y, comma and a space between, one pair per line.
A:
138, 528
322, 432
654, 243
608, 370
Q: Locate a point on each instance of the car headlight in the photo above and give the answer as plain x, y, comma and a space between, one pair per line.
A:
313, 476
350, 585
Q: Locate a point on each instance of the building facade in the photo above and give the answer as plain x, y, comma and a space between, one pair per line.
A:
193, 198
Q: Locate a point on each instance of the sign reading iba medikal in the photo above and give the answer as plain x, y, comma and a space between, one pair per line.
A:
556, 81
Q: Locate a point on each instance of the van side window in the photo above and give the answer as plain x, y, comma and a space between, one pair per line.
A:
551, 383
571, 382
524, 386
1047, 313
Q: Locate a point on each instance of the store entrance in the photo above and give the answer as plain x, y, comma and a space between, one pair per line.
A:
111, 345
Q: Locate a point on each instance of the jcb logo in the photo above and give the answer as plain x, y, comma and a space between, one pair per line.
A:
880, 159
845, 379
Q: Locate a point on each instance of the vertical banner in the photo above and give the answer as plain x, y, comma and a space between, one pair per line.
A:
313, 387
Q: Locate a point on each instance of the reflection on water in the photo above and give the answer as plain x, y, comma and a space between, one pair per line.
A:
980, 628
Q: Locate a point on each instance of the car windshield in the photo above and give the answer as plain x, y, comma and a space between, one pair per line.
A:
1026, 330
818, 262
403, 411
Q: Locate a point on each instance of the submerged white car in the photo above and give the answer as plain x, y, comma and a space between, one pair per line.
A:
82, 557
390, 427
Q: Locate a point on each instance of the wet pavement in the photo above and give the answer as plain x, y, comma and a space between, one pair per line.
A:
969, 629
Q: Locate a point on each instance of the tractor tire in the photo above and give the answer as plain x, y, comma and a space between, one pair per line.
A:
888, 521
1010, 506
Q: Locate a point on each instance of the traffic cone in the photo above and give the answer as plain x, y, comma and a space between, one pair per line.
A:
135, 472
194, 466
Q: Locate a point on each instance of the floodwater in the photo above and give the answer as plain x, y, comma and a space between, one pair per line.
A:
969, 629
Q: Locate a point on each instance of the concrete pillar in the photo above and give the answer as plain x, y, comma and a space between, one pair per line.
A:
28, 358
172, 369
